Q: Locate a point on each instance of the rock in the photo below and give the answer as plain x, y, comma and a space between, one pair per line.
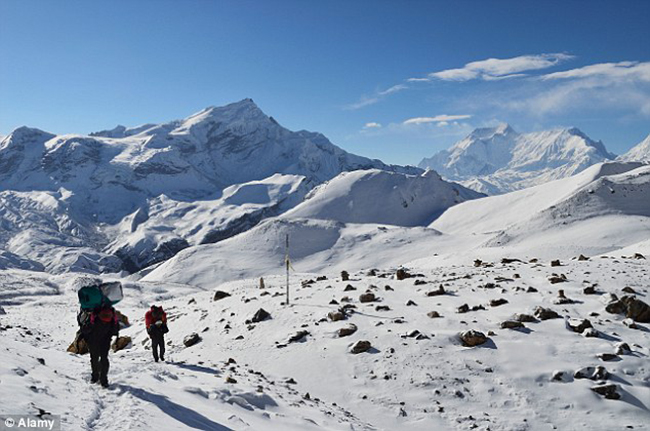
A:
638, 256
411, 303
260, 316
511, 324
579, 325
608, 357
347, 330
335, 316
463, 309
419, 282
524, 318
307, 283
439, 291
531, 290
360, 347
622, 348
349, 288
616, 307
478, 263
478, 307
433, 314
609, 391
345, 276
220, 294
590, 333
583, 257
382, 308
472, 338
2, 311
630, 323
321, 278
191, 339
121, 343
497, 302
636, 309
298, 336
556, 262
367, 297
78, 347
507, 260
589, 290
592, 373
545, 313
554, 279
628, 289
387, 288
559, 376
608, 298
402, 274
231, 380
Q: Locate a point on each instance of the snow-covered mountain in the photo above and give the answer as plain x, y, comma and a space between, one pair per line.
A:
498, 160
638, 153
129, 197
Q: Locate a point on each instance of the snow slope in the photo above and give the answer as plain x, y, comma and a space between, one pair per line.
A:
638, 153
498, 160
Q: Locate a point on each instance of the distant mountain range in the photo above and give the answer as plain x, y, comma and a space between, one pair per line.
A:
499, 160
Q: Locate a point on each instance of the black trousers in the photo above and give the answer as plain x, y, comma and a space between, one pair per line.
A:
99, 358
158, 345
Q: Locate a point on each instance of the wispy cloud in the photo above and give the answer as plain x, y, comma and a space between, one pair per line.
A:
372, 125
624, 70
371, 100
497, 68
437, 119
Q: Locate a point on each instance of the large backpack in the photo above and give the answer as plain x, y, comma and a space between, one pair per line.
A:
94, 296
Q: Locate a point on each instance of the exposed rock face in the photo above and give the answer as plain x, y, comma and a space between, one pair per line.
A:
191, 339
360, 346
121, 343
472, 338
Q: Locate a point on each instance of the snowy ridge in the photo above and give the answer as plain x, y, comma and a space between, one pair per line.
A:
498, 160
638, 153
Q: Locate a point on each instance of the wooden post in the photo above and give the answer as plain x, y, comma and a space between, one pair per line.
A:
287, 264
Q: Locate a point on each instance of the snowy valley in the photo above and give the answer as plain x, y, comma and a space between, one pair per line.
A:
415, 302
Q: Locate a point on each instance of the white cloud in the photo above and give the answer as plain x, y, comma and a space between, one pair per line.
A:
437, 119
418, 80
371, 100
496, 68
624, 70
372, 125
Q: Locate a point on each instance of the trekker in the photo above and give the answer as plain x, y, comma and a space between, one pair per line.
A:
97, 328
156, 321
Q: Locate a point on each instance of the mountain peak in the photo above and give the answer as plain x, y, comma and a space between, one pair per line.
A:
488, 132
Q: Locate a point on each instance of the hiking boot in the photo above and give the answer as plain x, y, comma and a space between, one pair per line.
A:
162, 358
94, 380
104, 383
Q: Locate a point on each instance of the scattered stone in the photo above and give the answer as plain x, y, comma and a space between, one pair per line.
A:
506, 260
636, 309
497, 302
478, 263
589, 290
592, 373
433, 314
335, 316
411, 303
345, 276
360, 346
638, 256
231, 380
347, 330
260, 316
608, 357
220, 294
371, 273
478, 307
545, 313
439, 291
419, 282
463, 309
472, 338
559, 376
556, 262
298, 336
561, 298
531, 289
307, 283
609, 391
388, 288
524, 318
583, 257
516, 276
334, 302
579, 325
630, 323
511, 324
349, 287
554, 279
628, 289
622, 348
590, 333
402, 274
367, 297
121, 343
191, 339
321, 278
382, 308
78, 346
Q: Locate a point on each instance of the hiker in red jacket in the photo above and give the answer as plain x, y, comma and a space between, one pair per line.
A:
156, 321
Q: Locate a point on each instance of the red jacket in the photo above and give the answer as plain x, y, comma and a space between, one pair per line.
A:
149, 318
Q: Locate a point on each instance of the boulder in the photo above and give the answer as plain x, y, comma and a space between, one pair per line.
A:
592, 373
554, 279
78, 346
260, 316
622, 348
609, 391
347, 330
582, 257
298, 336
437, 292
628, 289
497, 302
463, 309
402, 274
545, 313
335, 316
636, 309
191, 339
367, 297
220, 294
524, 318
556, 262
345, 276
590, 333
511, 324
472, 338
360, 346
121, 343
579, 325
349, 288
433, 314
608, 357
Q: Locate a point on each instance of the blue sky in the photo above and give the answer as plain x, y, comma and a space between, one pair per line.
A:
396, 80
